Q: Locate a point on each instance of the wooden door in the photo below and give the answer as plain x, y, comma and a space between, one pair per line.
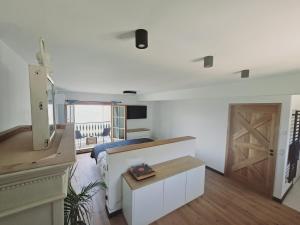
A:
252, 145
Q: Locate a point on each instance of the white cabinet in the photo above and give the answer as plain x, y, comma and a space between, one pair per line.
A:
33, 194
194, 183
148, 203
138, 134
174, 192
144, 205
127, 202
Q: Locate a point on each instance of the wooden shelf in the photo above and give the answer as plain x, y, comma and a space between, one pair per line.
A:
137, 130
164, 170
148, 144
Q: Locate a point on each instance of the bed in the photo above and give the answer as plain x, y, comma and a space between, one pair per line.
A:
99, 152
101, 148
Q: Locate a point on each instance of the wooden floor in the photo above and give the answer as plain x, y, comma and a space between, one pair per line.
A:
224, 202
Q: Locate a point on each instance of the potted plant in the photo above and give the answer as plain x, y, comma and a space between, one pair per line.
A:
77, 205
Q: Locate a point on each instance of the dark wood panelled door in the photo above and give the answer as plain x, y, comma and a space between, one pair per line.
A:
252, 145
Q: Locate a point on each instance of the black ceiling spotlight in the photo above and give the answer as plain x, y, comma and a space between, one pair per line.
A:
245, 73
208, 61
129, 92
141, 38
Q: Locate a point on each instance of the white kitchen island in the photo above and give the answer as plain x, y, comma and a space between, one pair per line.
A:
176, 183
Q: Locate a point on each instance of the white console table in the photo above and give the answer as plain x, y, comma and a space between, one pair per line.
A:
33, 184
176, 183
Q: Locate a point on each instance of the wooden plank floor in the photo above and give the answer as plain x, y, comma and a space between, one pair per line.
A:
224, 202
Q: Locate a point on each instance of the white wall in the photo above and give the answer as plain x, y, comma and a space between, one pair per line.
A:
207, 120
124, 99
203, 112
286, 84
14, 89
295, 102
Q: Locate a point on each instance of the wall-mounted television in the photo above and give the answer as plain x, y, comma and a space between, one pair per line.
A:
136, 112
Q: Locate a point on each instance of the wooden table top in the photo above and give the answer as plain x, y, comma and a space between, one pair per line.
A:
17, 154
148, 144
164, 170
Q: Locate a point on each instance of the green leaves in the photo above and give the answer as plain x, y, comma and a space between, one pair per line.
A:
77, 205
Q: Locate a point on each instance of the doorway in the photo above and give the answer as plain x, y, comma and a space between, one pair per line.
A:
92, 123
252, 145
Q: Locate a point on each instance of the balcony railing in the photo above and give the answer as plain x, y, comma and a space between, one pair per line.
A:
92, 129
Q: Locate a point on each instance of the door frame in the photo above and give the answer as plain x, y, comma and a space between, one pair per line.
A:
112, 118
276, 137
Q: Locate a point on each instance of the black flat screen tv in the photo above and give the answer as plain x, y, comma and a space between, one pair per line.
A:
136, 112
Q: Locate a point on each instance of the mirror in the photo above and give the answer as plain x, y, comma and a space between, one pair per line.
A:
51, 112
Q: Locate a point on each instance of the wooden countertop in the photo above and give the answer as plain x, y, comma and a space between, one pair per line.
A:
164, 170
147, 144
17, 154
137, 130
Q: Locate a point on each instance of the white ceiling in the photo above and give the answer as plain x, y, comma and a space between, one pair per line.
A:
87, 56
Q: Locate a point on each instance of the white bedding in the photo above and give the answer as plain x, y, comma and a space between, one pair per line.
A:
101, 164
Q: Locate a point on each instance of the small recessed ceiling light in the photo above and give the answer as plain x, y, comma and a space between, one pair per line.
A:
245, 73
141, 39
208, 61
